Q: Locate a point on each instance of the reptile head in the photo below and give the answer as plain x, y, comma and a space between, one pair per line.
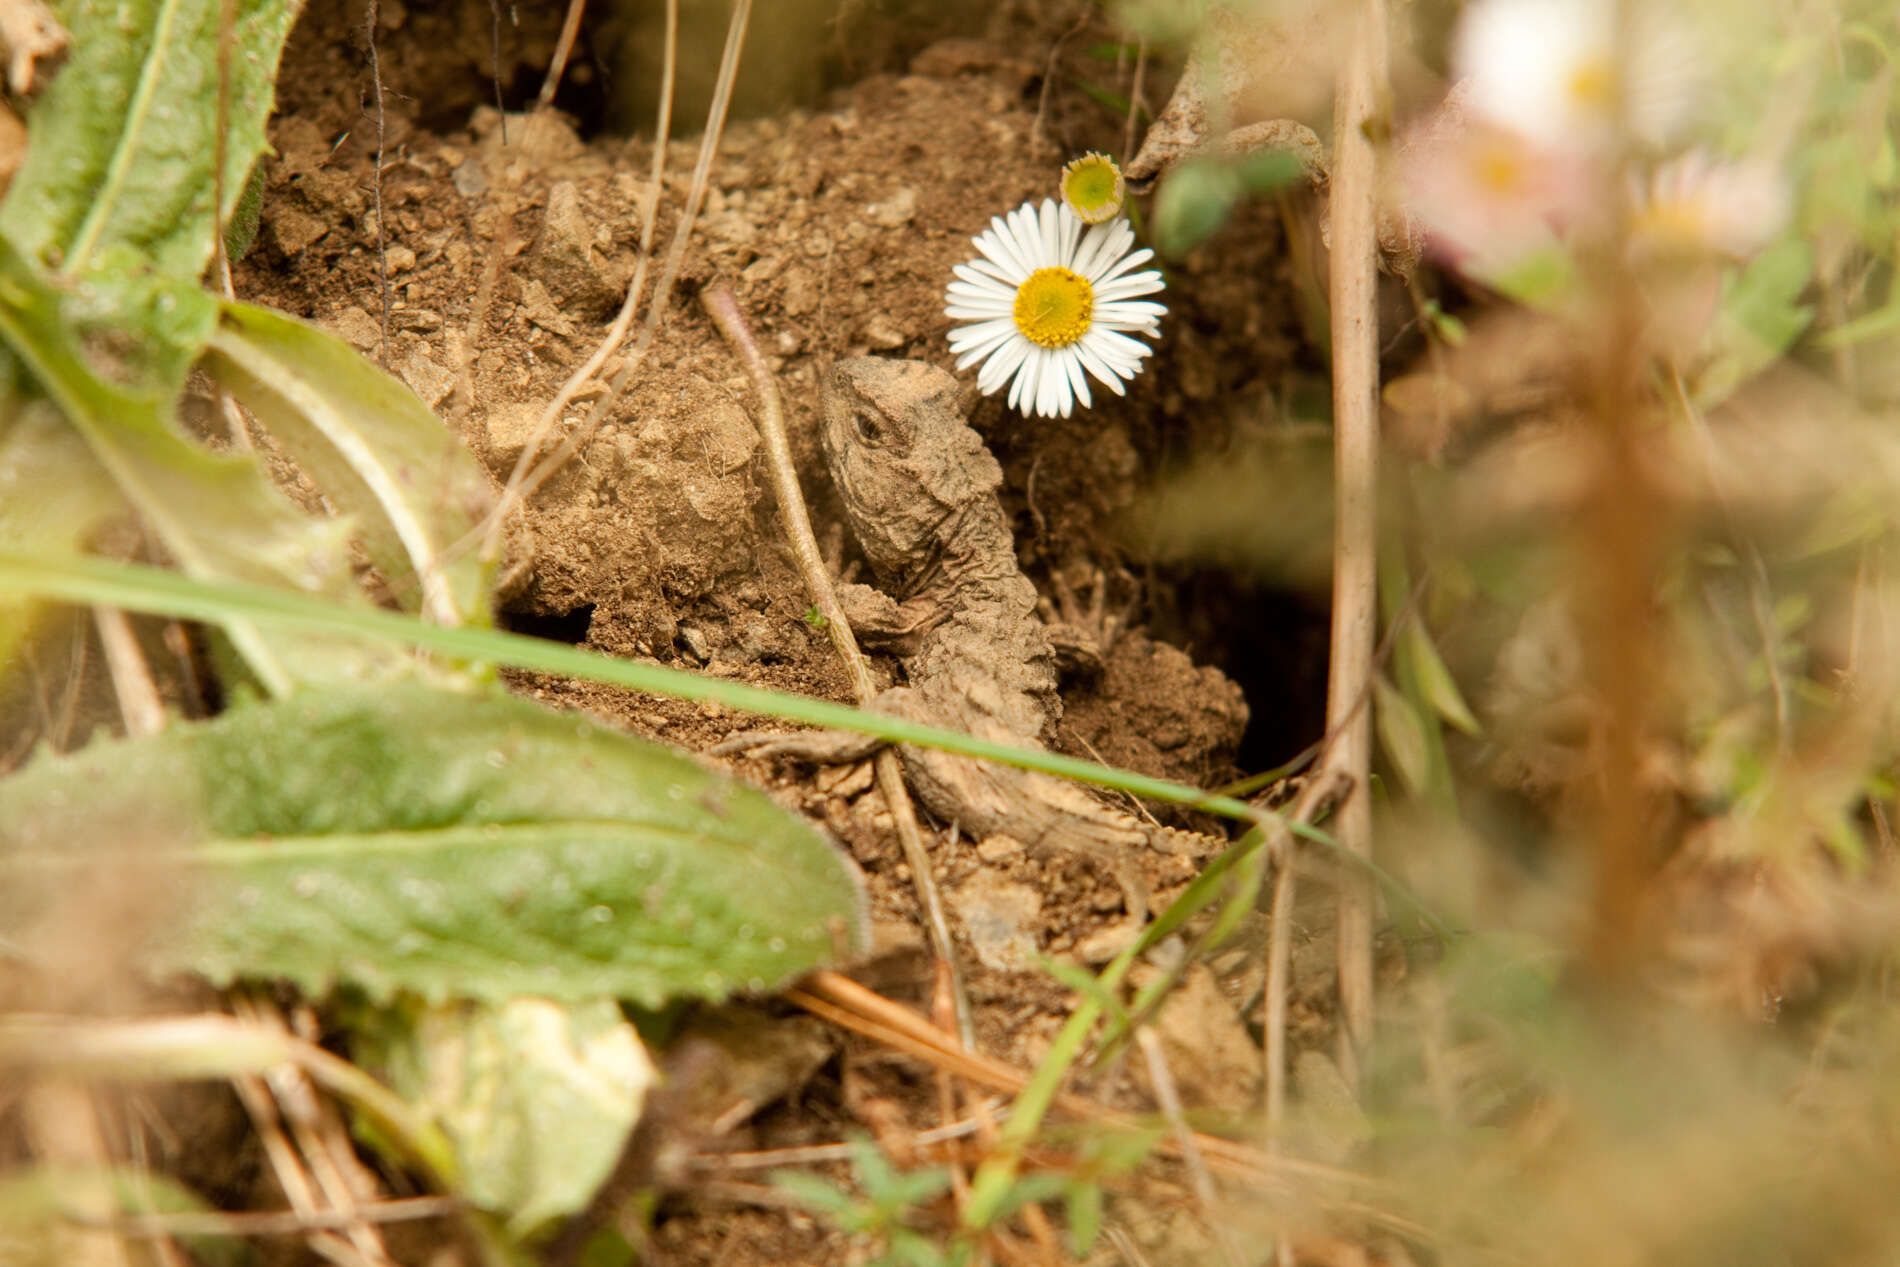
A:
902, 457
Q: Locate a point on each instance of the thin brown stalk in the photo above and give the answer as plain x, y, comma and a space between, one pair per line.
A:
139, 704
675, 255
564, 49
274, 1222
822, 1154
723, 307
64, 1127
227, 20
836, 998
1319, 795
332, 1167
528, 474
370, 20
623, 321
1618, 544
1355, 338
1134, 100
1168, 1100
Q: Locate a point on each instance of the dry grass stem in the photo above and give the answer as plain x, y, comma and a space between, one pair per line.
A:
139, 704
723, 307
1355, 337
623, 320
675, 255
1168, 1100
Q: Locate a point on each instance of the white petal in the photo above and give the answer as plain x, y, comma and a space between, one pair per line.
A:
980, 276
1130, 286
1008, 249
1122, 265
1051, 229
1054, 397
1126, 314
1106, 243
988, 311
999, 254
1098, 367
979, 290
1117, 349
1071, 226
1028, 237
988, 305
1024, 375
1078, 381
967, 338
1001, 366
974, 352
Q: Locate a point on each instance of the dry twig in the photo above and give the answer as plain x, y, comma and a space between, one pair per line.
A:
1355, 338
723, 307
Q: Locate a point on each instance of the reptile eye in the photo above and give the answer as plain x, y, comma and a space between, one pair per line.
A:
869, 428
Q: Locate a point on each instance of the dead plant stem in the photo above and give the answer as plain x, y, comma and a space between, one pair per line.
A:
616, 334
370, 20
723, 307
1353, 289
523, 482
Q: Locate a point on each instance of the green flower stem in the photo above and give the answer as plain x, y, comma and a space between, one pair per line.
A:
80, 579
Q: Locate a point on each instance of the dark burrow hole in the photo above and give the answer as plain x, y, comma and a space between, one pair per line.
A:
443, 58
570, 627
1270, 640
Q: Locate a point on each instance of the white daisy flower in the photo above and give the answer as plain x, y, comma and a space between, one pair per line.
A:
1695, 204
1552, 71
1049, 299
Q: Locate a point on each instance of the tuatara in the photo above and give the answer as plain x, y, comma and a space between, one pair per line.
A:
919, 489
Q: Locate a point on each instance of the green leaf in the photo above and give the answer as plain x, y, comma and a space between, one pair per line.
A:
377, 453
52, 496
1402, 735
1084, 1206
454, 846
1542, 278
816, 1194
1435, 682
1758, 317
538, 1098
38, 1204
123, 144
1193, 203
218, 516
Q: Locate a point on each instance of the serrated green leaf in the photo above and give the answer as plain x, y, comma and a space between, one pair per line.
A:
377, 453
218, 516
454, 846
123, 144
538, 1098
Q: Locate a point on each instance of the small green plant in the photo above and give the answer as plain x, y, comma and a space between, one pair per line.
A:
886, 1209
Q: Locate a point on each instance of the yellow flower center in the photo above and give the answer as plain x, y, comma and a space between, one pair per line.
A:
1593, 85
1092, 186
1053, 307
1500, 170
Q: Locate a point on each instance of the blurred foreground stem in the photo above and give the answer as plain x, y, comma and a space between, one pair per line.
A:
1353, 287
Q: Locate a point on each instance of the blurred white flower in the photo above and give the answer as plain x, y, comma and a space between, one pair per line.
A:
1052, 303
1552, 71
1487, 197
1695, 204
